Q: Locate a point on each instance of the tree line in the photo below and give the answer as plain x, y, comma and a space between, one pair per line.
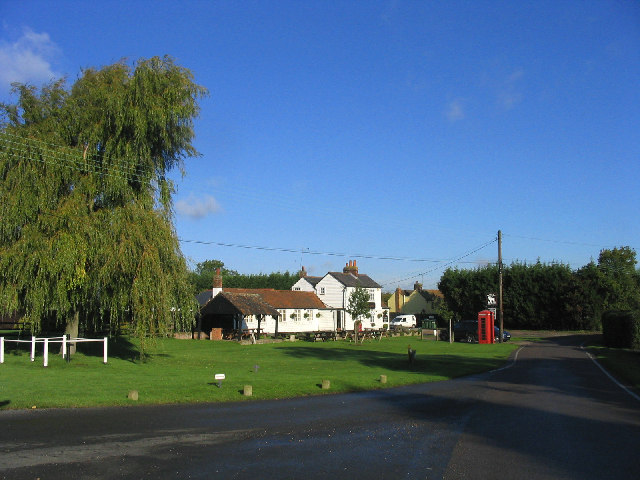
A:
201, 278
548, 296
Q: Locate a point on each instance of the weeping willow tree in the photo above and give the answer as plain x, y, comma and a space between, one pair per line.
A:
86, 232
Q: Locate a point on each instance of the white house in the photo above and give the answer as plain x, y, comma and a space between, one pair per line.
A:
298, 311
335, 289
273, 311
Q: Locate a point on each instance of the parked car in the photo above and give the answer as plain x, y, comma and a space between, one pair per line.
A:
506, 336
407, 321
467, 331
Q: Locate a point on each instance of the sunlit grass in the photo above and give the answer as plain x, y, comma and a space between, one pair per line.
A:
182, 371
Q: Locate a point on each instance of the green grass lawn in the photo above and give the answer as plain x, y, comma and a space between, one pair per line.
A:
182, 371
623, 363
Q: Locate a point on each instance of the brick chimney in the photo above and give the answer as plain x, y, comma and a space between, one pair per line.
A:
351, 268
303, 272
417, 286
217, 283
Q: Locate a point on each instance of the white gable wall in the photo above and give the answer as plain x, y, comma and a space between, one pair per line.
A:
303, 285
331, 292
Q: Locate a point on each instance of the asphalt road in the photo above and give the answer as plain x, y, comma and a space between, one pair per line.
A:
552, 413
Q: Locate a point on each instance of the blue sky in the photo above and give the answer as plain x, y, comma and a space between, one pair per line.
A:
402, 134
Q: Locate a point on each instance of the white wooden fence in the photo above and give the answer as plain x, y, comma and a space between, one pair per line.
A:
64, 340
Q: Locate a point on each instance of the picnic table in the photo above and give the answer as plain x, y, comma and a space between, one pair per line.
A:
368, 334
320, 336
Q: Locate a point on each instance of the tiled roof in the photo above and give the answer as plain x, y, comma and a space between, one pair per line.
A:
312, 280
283, 298
204, 297
351, 280
243, 303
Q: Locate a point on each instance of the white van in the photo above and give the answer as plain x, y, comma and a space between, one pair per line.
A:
407, 321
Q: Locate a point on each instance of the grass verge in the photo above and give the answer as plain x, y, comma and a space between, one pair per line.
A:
623, 363
182, 371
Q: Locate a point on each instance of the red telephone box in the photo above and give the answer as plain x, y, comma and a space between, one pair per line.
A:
485, 326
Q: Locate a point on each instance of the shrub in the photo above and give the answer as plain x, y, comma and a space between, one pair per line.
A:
621, 328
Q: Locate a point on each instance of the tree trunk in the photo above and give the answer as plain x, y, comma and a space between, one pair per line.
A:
72, 329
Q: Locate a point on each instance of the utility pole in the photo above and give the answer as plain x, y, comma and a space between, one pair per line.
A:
500, 286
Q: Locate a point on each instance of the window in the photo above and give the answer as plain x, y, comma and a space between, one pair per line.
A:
297, 289
371, 294
321, 290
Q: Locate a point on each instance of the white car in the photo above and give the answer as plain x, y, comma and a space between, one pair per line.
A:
407, 321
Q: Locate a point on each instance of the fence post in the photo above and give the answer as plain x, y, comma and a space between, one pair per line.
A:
64, 346
33, 348
105, 350
46, 352
1, 349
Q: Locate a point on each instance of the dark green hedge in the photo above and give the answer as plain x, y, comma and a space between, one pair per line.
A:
621, 328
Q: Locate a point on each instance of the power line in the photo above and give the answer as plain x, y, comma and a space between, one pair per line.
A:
311, 252
445, 264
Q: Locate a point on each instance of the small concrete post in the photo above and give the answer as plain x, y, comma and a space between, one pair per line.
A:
326, 384
105, 350
133, 395
248, 390
33, 348
383, 379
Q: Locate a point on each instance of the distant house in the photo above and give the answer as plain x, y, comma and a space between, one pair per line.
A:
419, 302
314, 304
335, 288
272, 311
297, 311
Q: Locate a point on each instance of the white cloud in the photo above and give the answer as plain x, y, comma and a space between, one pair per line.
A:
27, 60
515, 76
455, 111
509, 94
197, 208
508, 100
